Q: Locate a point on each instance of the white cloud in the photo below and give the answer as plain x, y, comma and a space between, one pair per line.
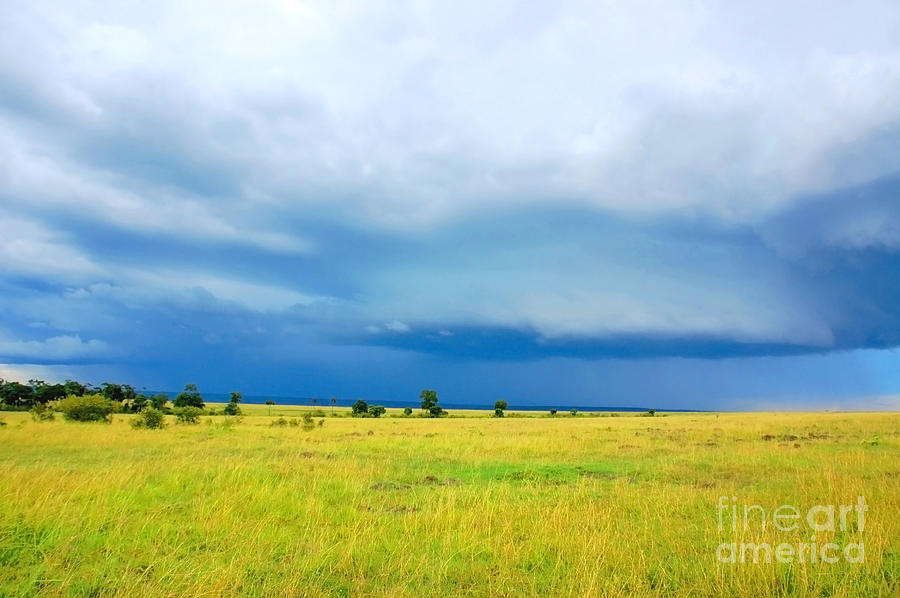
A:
397, 326
62, 347
403, 117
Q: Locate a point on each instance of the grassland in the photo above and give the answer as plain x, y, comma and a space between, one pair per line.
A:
618, 506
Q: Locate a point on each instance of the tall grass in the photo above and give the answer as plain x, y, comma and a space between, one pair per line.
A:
409, 507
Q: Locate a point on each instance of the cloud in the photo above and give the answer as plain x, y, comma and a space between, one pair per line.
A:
53, 349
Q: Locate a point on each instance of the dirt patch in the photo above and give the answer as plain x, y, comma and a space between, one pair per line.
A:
436, 481
390, 486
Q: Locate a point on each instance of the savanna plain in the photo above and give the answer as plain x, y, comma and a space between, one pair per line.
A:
598, 505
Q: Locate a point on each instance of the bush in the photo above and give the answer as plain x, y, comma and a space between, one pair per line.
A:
230, 409
553, 412
376, 411
360, 407
150, 418
574, 412
41, 413
308, 423
89, 408
407, 411
188, 415
280, 422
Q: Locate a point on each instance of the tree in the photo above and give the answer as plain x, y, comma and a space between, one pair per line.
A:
333, 401
499, 408
49, 392
270, 402
189, 397
360, 407
74, 388
16, 394
140, 402
113, 392
407, 411
574, 412
651, 412
159, 400
553, 412
232, 407
314, 401
436, 411
377, 410
429, 399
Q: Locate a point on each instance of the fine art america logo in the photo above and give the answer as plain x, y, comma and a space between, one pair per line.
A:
826, 519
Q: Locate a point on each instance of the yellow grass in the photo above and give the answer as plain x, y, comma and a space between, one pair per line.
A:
617, 506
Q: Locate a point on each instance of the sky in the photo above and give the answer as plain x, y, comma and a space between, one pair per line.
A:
689, 205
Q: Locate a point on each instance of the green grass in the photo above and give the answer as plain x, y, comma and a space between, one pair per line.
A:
396, 506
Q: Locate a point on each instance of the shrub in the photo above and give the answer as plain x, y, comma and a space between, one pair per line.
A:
150, 418
498, 412
407, 411
41, 413
574, 412
360, 407
230, 409
377, 411
89, 408
651, 412
188, 415
553, 412
280, 422
159, 400
436, 411
308, 423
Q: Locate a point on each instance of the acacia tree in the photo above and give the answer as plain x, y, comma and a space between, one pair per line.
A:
429, 399
499, 408
232, 407
189, 397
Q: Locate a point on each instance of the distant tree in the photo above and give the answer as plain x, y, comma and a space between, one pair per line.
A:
360, 407
113, 392
16, 394
574, 412
189, 397
314, 401
377, 411
159, 400
49, 392
74, 388
553, 412
436, 411
128, 393
407, 411
651, 412
140, 402
429, 399
499, 408
270, 402
232, 407
333, 401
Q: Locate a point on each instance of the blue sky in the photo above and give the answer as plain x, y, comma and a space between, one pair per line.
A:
678, 204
